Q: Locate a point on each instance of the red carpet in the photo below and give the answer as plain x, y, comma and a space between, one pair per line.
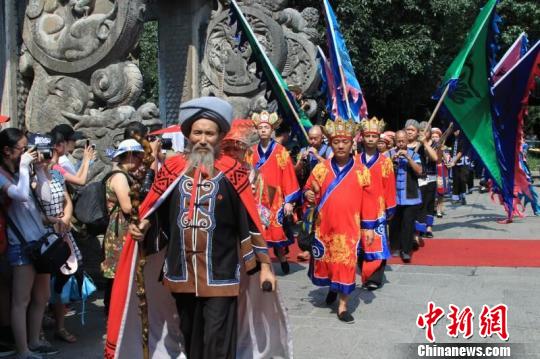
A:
470, 252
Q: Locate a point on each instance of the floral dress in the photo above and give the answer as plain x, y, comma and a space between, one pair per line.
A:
115, 234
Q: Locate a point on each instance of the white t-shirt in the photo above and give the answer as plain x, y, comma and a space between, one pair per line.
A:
66, 164
25, 215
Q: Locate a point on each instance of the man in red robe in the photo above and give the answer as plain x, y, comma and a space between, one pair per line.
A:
383, 188
345, 210
280, 188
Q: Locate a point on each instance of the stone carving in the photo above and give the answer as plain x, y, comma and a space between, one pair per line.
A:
117, 84
74, 56
287, 36
50, 96
301, 67
72, 36
304, 22
226, 66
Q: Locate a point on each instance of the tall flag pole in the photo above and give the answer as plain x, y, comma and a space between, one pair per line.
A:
350, 100
469, 101
511, 94
289, 107
509, 59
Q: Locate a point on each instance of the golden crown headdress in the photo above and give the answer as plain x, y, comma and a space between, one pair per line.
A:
266, 117
341, 128
372, 125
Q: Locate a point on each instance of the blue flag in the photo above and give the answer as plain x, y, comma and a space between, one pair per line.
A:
350, 100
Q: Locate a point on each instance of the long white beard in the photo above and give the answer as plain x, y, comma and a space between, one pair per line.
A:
200, 159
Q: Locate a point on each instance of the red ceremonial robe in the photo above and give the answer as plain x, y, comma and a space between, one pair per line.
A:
280, 187
263, 329
383, 188
344, 208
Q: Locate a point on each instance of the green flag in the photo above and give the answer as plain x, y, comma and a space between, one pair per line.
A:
469, 99
288, 105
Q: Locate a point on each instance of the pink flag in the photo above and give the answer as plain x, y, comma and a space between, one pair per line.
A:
510, 58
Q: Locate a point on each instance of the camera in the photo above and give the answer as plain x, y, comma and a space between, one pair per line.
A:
42, 144
166, 144
93, 145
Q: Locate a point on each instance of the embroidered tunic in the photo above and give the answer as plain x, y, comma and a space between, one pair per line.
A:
280, 187
344, 208
383, 188
203, 254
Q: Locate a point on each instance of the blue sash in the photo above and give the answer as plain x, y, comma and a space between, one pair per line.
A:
340, 175
264, 156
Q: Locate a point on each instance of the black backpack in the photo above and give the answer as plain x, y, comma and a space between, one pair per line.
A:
90, 205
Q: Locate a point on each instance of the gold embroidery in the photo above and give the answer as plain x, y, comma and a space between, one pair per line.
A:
364, 177
319, 173
339, 250
282, 158
249, 158
382, 206
387, 168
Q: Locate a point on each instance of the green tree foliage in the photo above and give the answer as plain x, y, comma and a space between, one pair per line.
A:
402, 48
148, 63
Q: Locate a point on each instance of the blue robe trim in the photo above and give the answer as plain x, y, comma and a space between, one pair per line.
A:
334, 287
371, 162
381, 230
368, 224
284, 243
264, 156
340, 176
420, 227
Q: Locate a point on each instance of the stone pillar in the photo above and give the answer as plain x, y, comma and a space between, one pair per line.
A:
182, 33
8, 59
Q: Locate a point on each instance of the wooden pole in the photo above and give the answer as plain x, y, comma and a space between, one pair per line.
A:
296, 115
437, 107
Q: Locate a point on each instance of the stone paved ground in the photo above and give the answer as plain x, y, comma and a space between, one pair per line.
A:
385, 319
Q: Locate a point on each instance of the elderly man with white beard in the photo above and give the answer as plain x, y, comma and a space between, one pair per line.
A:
204, 207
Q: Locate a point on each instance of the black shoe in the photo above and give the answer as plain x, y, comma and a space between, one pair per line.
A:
405, 257
285, 268
439, 215
463, 201
371, 286
346, 317
331, 297
429, 235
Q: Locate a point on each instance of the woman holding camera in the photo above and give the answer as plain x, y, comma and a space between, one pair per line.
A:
128, 157
30, 290
61, 150
59, 211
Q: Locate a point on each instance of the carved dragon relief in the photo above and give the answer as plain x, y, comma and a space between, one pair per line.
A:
74, 57
74, 36
287, 36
